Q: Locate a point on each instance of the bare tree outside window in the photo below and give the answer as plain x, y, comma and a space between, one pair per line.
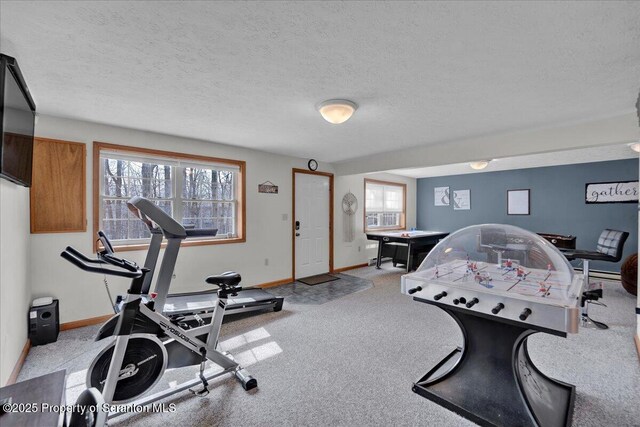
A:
207, 198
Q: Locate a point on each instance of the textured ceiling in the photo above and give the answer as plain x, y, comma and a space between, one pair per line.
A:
568, 157
251, 73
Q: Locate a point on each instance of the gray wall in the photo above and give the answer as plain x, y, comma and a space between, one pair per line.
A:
557, 203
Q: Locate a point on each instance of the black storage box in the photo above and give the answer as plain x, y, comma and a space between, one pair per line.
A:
44, 323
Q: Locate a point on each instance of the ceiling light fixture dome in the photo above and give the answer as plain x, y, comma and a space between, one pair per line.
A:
337, 111
479, 165
635, 146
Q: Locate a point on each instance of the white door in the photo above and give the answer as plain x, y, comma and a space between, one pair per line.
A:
311, 224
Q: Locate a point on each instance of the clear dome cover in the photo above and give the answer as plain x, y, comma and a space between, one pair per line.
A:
501, 258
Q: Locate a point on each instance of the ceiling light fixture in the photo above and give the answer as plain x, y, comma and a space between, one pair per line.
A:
479, 165
337, 111
635, 146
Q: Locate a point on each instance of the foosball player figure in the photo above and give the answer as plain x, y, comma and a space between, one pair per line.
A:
483, 279
471, 267
544, 290
507, 265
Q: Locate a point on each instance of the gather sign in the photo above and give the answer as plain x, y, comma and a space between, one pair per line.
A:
612, 192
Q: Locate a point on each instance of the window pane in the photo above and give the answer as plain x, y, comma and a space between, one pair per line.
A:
218, 215
113, 183
384, 205
390, 219
119, 224
115, 209
393, 198
137, 229
114, 229
128, 178
374, 197
208, 197
123, 179
207, 184
372, 220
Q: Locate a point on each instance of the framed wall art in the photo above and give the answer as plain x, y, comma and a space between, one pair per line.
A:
461, 200
441, 196
518, 202
612, 192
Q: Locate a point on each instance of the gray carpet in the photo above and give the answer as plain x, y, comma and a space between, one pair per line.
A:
352, 361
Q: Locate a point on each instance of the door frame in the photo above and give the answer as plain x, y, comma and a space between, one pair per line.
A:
294, 171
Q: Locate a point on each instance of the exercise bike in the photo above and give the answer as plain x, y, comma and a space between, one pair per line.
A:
147, 343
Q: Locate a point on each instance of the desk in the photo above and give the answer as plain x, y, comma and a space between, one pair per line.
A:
412, 239
34, 393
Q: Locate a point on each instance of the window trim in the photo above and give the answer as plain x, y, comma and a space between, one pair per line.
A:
242, 187
403, 217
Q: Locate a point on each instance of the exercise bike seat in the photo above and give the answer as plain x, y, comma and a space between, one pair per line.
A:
227, 279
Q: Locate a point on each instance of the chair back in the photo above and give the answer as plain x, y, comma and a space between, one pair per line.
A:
611, 243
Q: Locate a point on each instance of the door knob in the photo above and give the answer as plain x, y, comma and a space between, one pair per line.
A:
297, 234
297, 225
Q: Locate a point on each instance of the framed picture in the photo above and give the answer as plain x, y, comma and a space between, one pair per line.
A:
612, 192
518, 202
461, 200
441, 196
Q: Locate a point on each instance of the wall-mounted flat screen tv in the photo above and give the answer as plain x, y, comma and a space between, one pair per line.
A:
17, 112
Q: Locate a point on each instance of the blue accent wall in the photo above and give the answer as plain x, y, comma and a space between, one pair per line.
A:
557, 203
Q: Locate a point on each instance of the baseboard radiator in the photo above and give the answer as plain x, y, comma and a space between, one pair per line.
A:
599, 274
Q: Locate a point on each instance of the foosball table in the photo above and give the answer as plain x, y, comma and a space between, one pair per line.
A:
498, 303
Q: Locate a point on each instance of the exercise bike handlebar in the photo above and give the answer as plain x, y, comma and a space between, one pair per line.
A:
120, 262
104, 257
73, 251
82, 262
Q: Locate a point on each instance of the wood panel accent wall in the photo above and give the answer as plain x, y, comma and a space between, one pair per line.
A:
58, 189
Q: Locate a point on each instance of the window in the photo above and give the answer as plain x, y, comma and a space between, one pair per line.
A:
197, 191
384, 207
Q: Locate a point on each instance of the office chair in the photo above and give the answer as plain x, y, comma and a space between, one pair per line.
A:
609, 248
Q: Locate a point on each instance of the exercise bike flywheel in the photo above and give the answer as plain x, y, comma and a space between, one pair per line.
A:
145, 361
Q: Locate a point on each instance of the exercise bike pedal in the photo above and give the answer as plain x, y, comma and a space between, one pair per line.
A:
200, 393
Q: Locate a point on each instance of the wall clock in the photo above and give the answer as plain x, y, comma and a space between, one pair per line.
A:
313, 165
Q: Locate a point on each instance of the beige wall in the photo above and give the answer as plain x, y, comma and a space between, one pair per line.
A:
15, 291
268, 234
361, 250
32, 266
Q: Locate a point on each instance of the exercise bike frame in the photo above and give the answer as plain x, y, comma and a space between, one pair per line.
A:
133, 311
186, 337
